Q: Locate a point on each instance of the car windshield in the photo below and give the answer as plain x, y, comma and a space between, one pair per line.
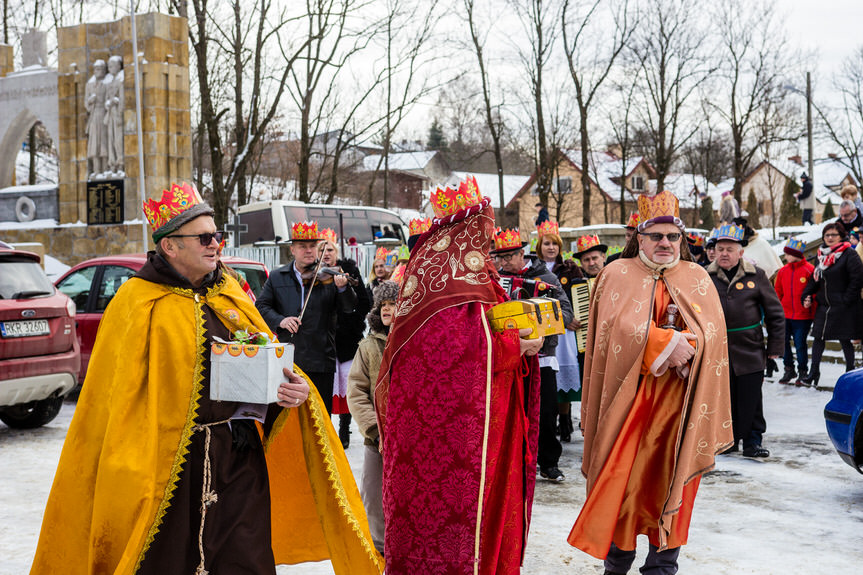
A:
23, 278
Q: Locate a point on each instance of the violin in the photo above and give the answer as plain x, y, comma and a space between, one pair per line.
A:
324, 275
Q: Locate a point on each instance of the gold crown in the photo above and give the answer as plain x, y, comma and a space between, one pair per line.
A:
419, 226
175, 200
329, 235
304, 231
663, 204
507, 240
448, 201
548, 227
381, 253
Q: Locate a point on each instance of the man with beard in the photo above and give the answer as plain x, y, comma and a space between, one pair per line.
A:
509, 256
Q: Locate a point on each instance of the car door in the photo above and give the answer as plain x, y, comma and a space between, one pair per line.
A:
78, 285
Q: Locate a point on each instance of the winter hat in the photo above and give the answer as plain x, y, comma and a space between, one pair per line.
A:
795, 247
385, 291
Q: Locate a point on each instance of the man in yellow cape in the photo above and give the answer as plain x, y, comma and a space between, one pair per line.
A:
655, 402
155, 477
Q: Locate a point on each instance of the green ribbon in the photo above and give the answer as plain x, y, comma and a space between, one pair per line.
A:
754, 325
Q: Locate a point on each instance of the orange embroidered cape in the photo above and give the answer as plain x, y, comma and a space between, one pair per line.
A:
130, 434
621, 312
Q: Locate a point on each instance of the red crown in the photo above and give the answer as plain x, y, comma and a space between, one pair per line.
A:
419, 226
585, 243
329, 235
547, 227
634, 220
447, 201
381, 254
304, 231
175, 200
507, 240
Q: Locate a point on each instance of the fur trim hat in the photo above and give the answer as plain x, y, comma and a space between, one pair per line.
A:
385, 291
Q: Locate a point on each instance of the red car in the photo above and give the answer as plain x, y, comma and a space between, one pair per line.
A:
92, 284
39, 355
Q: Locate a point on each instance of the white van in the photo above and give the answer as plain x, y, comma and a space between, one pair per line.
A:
271, 221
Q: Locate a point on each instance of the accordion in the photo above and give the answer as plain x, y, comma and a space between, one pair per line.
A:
522, 288
581, 291
542, 315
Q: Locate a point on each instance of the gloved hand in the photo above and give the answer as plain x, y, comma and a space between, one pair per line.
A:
771, 367
245, 435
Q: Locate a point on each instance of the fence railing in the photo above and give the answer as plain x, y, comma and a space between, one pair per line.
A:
271, 256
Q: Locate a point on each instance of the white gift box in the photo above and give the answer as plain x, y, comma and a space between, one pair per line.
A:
248, 373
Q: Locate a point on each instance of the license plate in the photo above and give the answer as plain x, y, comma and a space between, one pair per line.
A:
24, 328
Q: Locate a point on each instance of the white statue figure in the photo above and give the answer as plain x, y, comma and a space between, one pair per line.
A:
94, 102
114, 114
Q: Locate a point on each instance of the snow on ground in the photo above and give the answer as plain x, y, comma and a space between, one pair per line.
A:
798, 512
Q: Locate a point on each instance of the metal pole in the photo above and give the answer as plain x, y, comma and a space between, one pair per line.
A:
141, 187
809, 126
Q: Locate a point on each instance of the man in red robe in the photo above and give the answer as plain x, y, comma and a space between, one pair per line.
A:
655, 403
458, 424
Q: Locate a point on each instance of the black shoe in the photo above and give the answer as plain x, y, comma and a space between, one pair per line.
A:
810, 380
789, 375
552, 474
732, 449
565, 427
345, 429
756, 451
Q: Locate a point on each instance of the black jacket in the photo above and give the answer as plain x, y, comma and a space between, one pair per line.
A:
746, 300
839, 314
857, 223
538, 270
315, 342
350, 327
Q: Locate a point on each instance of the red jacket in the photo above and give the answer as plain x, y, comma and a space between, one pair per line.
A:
790, 281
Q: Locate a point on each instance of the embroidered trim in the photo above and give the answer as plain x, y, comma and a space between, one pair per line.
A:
191, 414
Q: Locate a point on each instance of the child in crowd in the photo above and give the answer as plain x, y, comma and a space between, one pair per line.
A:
361, 400
790, 281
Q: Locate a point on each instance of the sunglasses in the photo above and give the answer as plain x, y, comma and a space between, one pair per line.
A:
657, 237
205, 238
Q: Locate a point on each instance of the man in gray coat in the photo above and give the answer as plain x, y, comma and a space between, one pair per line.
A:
747, 299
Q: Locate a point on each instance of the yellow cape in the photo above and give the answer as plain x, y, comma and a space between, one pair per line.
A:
130, 434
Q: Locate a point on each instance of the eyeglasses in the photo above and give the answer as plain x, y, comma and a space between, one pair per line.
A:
832, 235
504, 258
657, 237
205, 238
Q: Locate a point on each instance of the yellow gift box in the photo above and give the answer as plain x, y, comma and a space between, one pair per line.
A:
543, 315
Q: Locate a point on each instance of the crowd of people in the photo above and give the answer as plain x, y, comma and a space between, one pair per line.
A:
664, 346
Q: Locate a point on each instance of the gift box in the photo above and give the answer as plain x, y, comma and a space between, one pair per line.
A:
543, 315
248, 373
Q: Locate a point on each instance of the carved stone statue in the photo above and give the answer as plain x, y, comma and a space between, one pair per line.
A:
114, 115
94, 102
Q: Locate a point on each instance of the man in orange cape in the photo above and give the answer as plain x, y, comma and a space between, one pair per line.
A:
655, 404
458, 421
157, 478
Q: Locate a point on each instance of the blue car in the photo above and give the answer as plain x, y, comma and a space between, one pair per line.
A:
842, 414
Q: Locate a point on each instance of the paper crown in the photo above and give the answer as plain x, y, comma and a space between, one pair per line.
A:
548, 227
391, 258
176, 200
730, 232
795, 247
694, 239
587, 243
304, 231
713, 234
404, 253
505, 240
329, 235
447, 201
381, 253
662, 205
419, 226
634, 220
398, 274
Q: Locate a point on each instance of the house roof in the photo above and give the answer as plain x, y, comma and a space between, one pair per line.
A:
403, 161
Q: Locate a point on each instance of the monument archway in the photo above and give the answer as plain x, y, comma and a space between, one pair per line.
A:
26, 97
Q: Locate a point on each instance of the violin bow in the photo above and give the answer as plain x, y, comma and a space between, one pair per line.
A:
311, 287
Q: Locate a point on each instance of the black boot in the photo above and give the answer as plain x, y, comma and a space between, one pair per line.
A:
810, 380
789, 375
345, 429
565, 426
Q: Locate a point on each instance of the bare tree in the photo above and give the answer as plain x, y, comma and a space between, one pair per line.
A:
620, 121
753, 58
538, 20
669, 46
591, 54
843, 124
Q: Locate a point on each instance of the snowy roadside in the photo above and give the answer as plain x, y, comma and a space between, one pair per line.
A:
799, 511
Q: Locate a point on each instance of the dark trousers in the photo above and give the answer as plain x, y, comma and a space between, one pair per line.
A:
550, 448
656, 563
818, 351
323, 381
807, 217
747, 413
799, 330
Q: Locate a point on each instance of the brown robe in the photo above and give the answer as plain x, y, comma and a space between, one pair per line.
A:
621, 312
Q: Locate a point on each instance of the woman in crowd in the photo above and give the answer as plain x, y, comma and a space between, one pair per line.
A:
836, 285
